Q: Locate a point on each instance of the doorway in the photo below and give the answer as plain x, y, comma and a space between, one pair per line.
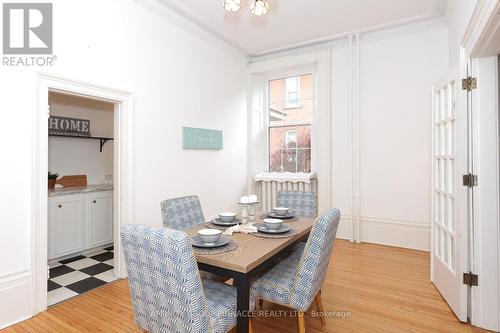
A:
80, 196
121, 196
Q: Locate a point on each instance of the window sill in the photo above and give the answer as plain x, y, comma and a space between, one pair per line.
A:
280, 177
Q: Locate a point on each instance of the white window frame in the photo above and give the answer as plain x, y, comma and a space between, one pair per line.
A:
319, 63
297, 72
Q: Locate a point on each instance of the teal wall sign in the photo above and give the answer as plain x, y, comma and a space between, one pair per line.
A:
200, 138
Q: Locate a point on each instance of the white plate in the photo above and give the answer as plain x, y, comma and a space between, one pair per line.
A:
219, 222
223, 240
262, 228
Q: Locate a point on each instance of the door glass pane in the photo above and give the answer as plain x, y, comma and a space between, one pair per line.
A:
450, 214
452, 254
442, 208
449, 175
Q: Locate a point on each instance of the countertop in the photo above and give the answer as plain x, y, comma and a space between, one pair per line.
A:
79, 189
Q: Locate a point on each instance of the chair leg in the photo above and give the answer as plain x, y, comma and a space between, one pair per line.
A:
250, 327
302, 322
319, 304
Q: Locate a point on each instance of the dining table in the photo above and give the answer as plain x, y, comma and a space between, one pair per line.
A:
252, 256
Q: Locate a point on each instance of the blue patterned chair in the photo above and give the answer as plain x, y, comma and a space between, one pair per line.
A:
296, 280
300, 203
182, 213
167, 292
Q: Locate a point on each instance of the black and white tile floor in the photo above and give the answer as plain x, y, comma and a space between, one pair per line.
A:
74, 276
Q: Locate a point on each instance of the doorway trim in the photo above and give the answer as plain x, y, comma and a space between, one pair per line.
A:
123, 173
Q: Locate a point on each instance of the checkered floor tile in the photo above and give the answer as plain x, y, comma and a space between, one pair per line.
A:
77, 275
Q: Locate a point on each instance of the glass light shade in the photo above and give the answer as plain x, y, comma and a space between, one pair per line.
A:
232, 5
259, 7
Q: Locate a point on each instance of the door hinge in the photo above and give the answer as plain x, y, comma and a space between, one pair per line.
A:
469, 180
471, 279
469, 83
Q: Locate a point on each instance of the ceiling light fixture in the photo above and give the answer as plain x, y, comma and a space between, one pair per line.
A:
232, 5
259, 8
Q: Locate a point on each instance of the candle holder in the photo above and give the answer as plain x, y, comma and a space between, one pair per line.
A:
248, 212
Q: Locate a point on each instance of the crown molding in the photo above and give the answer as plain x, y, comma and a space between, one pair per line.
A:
175, 12
367, 35
481, 36
188, 21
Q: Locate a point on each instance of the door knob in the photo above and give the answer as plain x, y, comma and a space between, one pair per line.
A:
59, 206
94, 201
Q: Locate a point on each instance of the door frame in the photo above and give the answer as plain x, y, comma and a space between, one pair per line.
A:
481, 41
123, 173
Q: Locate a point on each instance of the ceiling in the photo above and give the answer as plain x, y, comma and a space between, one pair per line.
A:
292, 23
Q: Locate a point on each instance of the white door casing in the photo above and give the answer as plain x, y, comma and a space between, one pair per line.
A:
449, 241
123, 193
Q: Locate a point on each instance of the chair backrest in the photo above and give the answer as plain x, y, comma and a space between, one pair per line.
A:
300, 203
182, 213
165, 285
315, 258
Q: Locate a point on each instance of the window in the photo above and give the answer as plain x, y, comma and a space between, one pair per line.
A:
292, 92
290, 127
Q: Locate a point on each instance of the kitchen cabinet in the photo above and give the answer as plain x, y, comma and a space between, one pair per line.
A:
100, 217
66, 226
79, 222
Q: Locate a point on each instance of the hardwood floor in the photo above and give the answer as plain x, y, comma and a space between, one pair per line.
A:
377, 288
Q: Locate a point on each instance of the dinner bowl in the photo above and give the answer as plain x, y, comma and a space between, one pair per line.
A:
227, 217
280, 211
209, 236
272, 224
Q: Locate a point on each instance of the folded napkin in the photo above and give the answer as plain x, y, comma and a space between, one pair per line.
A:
243, 228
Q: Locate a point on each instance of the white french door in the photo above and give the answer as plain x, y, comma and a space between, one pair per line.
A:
449, 225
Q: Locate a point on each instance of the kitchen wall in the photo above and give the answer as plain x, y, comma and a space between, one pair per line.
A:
397, 70
177, 78
73, 156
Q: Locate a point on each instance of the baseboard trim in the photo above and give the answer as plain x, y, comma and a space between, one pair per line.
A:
17, 288
400, 233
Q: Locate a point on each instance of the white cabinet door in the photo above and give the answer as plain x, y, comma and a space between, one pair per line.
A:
66, 232
100, 218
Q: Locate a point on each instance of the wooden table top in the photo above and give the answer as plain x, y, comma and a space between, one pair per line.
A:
253, 251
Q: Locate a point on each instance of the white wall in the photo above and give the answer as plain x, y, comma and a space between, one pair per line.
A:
396, 76
458, 16
397, 71
177, 79
74, 156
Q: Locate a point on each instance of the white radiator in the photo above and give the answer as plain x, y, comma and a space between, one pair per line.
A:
270, 183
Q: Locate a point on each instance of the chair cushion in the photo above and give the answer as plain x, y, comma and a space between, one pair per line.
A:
221, 301
275, 284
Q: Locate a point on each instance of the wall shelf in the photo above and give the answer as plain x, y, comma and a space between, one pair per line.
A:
102, 140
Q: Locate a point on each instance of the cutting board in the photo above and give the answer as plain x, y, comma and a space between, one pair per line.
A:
72, 181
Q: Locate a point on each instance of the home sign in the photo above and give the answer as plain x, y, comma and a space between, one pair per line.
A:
69, 126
